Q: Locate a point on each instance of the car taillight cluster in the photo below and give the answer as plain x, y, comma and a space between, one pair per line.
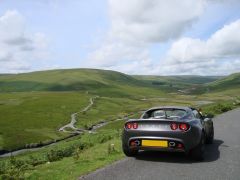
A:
131, 125
181, 126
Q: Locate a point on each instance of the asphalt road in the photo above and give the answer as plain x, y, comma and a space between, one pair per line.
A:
222, 159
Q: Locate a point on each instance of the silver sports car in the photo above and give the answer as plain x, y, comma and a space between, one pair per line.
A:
173, 128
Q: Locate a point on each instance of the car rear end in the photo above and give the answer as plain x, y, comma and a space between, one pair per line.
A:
161, 134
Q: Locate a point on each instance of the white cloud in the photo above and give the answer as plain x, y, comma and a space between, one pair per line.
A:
220, 54
141, 21
136, 24
19, 49
11, 25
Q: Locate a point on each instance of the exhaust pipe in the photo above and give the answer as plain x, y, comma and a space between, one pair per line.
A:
137, 142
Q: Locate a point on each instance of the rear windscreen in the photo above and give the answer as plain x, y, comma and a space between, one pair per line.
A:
167, 113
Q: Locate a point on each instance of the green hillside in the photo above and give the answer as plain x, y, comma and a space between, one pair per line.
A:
186, 79
35, 105
176, 82
229, 82
64, 80
227, 85
92, 79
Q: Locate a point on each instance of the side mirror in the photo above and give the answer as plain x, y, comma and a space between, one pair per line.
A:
209, 116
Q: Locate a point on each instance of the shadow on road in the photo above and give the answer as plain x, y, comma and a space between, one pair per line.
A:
212, 153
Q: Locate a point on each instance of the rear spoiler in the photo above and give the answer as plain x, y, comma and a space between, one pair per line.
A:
153, 120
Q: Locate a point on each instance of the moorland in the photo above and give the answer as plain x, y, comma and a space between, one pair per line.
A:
33, 106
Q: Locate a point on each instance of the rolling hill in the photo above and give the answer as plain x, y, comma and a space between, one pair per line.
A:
230, 82
64, 80
227, 85
182, 80
33, 106
92, 79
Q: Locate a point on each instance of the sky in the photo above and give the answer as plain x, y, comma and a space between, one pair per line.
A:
150, 37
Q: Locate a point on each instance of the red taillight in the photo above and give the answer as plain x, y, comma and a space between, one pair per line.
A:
131, 126
174, 126
183, 127
128, 125
180, 146
135, 125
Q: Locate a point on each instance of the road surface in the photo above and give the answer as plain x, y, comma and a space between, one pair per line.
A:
222, 160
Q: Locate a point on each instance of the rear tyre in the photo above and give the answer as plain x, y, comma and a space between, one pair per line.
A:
197, 153
129, 152
210, 138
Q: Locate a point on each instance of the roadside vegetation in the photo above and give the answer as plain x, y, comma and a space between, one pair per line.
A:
67, 159
219, 108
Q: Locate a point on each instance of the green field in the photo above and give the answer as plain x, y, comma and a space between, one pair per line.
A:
36, 116
33, 106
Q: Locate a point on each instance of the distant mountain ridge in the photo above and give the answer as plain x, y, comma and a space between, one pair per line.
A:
65, 80
96, 79
183, 79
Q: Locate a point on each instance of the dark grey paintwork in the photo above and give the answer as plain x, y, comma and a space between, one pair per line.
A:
159, 129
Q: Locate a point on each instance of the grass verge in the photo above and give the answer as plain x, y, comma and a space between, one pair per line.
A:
69, 159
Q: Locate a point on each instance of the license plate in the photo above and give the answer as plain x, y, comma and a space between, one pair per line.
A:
155, 143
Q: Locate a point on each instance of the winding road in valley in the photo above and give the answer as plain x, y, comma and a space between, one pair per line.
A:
73, 121
222, 159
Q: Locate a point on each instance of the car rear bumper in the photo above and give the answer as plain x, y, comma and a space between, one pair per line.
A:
161, 149
173, 144
189, 139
